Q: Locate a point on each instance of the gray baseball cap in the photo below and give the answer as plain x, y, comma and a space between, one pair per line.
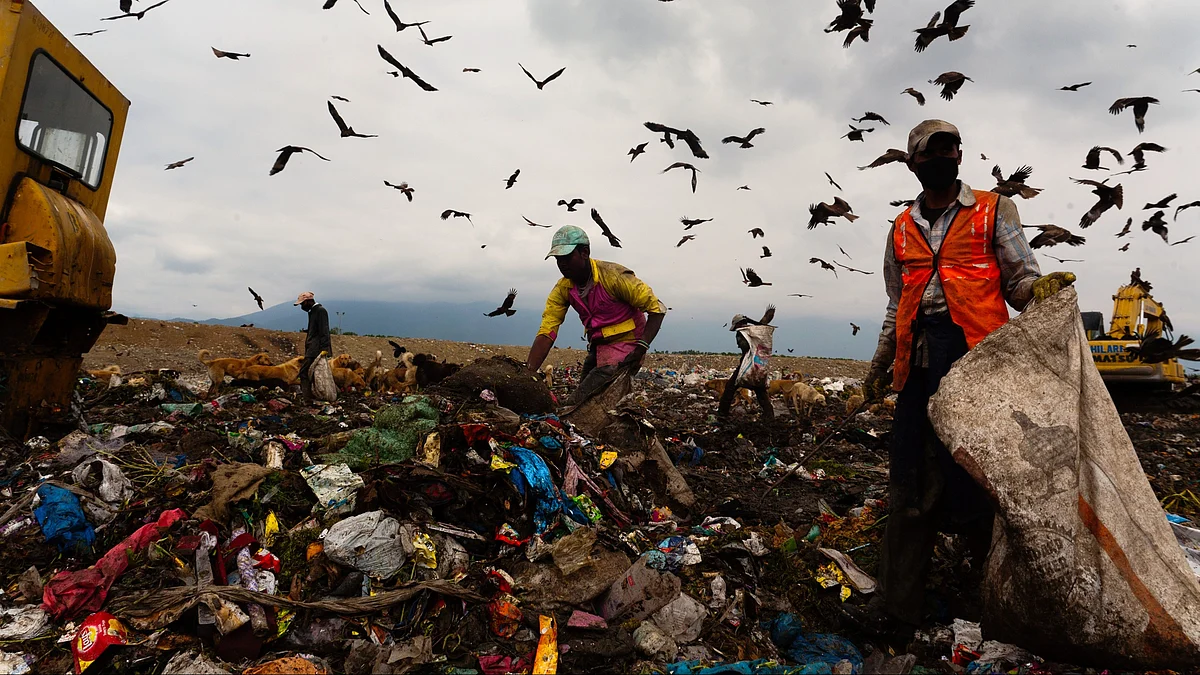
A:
919, 137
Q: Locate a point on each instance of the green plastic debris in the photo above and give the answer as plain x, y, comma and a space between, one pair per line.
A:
393, 438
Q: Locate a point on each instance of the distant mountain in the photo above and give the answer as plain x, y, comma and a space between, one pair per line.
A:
807, 335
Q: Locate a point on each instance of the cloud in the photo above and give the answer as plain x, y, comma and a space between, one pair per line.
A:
335, 228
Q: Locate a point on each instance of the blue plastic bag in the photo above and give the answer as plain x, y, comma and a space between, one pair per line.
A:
759, 667
62, 521
787, 633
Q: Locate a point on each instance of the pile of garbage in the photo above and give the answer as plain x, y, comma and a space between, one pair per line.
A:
457, 530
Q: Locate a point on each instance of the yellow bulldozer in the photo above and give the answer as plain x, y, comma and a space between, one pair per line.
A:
1136, 315
62, 123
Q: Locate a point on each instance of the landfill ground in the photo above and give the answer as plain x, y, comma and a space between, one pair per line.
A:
654, 576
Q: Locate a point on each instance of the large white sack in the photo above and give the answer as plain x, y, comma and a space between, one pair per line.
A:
1084, 567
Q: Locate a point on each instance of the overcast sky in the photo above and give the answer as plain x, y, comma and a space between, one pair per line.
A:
199, 235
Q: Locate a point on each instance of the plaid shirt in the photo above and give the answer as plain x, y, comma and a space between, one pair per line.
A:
1018, 266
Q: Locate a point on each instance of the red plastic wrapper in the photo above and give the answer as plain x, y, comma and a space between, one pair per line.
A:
97, 633
70, 593
505, 615
498, 664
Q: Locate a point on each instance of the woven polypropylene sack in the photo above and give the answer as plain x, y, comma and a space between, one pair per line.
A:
752, 371
1083, 567
323, 386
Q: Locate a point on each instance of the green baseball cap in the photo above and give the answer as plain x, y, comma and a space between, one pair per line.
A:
566, 239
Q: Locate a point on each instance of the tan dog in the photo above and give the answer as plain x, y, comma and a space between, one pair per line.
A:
287, 372
802, 395
854, 402
233, 367
344, 361
104, 373
776, 387
375, 373
718, 387
345, 378
548, 375
402, 378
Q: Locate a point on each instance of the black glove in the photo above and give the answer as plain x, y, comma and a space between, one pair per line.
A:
634, 360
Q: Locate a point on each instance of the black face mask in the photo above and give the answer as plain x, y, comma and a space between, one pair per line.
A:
938, 173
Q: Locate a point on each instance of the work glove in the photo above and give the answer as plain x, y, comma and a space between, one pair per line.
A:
1050, 284
878, 384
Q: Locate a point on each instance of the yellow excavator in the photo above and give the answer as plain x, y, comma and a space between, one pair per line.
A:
1136, 314
61, 124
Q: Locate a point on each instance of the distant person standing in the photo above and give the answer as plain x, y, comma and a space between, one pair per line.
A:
316, 339
619, 312
756, 361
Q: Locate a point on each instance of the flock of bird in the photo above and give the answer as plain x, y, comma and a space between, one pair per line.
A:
854, 18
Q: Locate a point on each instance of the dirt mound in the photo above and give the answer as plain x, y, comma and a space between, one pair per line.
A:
506, 377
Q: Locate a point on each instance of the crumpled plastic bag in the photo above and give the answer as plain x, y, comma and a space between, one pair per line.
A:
336, 487
61, 518
810, 649
574, 551
369, 543
114, 487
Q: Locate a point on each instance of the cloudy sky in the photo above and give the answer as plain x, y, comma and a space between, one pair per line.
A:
201, 234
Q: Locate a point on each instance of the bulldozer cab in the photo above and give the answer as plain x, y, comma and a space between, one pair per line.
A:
1136, 315
61, 124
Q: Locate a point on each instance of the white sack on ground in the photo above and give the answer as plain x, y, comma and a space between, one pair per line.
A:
1084, 567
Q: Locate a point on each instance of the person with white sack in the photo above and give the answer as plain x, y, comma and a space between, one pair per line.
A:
754, 339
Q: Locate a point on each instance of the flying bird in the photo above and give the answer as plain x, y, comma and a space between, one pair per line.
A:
533, 224
1163, 203
400, 25
257, 297
1124, 248
180, 163
903, 202
851, 269
751, 279
871, 117
1139, 154
1125, 230
403, 187
948, 25
1063, 260
570, 204
824, 265
401, 70
743, 187
542, 83
798, 295
330, 3
1140, 105
1074, 87
471, 70
1183, 241
397, 349
689, 223
635, 151
744, 141
1015, 184
856, 134
1158, 224
1053, 234
892, 155
754, 100
1184, 207
844, 252
451, 213
687, 136
612, 238
1157, 349
137, 15
689, 167
512, 180
346, 131
1110, 196
91, 33
951, 82
833, 182
505, 307
766, 252
854, 328
756, 233
686, 239
861, 30
1093, 157
434, 41
821, 213
233, 56
851, 13
286, 152
340, 98
915, 94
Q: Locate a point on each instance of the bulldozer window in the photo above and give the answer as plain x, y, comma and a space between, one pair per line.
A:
62, 123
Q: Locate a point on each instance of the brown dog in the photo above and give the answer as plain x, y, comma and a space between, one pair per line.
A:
345, 378
802, 396
402, 378
287, 372
343, 361
233, 367
104, 373
718, 387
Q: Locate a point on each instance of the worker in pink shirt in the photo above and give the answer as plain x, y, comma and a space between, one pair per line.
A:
620, 313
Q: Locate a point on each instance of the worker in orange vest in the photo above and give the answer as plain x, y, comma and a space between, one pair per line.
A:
952, 261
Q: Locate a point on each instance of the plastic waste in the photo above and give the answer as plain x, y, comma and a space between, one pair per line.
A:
61, 518
682, 618
193, 663
393, 437
862, 582
545, 661
679, 552
23, 623
814, 648
113, 488
586, 621
574, 551
336, 487
639, 592
97, 633
367, 542
718, 591
424, 551
548, 501
504, 615
653, 643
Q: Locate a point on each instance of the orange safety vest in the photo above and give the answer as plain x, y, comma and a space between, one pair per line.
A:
969, 271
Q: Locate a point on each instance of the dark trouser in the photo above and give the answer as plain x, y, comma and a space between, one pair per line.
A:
306, 378
928, 490
592, 379
731, 387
